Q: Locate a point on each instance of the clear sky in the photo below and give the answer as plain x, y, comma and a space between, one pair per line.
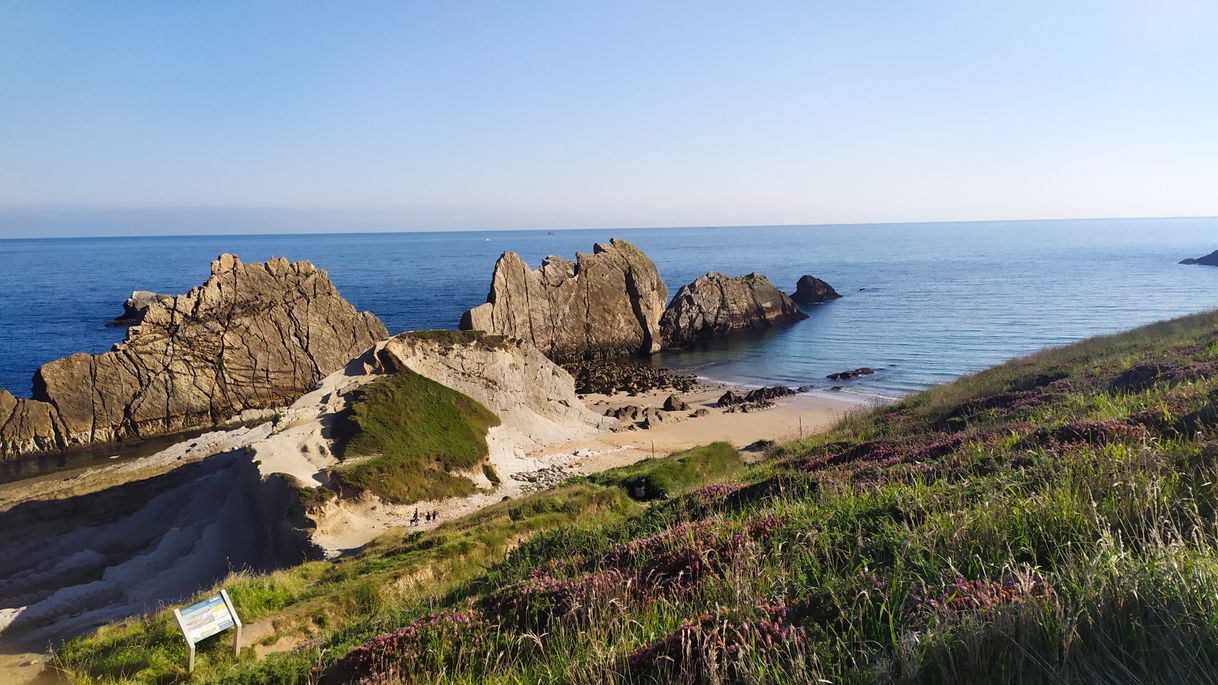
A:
165, 117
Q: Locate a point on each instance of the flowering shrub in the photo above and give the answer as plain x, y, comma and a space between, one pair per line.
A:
1098, 432
687, 553
411, 651
716, 494
541, 597
718, 642
962, 595
879, 453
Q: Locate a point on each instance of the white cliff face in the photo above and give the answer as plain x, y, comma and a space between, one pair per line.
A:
534, 398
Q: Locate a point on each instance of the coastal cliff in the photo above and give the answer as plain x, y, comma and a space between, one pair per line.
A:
252, 337
715, 305
604, 304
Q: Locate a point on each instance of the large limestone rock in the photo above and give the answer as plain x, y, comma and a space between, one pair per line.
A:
606, 303
252, 337
715, 305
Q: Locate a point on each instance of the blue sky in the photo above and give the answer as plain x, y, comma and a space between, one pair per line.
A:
165, 117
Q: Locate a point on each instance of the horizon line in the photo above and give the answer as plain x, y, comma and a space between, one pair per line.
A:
553, 228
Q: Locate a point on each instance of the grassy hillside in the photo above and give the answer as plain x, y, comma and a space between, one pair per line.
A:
412, 433
1054, 519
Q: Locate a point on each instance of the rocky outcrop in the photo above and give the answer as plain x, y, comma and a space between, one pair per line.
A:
605, 304
811, 290
135, 306
534, 398
851, 374
610, 377
716, 305
1210, 259
252, 337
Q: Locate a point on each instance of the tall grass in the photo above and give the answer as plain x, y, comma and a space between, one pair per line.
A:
1054, 519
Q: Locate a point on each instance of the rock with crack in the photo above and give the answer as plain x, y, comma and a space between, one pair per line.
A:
715, 305
604, 304
136, 306
254, 336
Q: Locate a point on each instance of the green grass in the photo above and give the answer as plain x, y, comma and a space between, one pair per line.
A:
1041, 522
670, 476
415, 436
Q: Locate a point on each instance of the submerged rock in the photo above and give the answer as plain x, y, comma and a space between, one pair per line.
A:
254, 336
812, 290
848, 375
1210, 259
606, 303
715, 305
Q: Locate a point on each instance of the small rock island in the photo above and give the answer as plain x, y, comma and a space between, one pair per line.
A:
1210, 259
811, 290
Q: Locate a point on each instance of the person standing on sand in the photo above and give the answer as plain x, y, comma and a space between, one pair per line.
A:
415, 520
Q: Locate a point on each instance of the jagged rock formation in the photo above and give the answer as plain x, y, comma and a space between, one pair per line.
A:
606, 303
811, 290
1210, 259
252, 337
715, 305
135, 306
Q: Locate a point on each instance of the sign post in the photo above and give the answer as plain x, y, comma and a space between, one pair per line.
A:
211, 616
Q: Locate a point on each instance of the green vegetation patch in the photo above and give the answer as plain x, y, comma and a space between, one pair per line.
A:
409, 434
669, 476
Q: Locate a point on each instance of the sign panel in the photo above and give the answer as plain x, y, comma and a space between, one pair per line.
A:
204, 619
201, 620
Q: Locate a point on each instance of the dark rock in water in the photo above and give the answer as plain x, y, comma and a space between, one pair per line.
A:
135, 306
254, 336
812, 290
848, 375
605, 304
753, 397
715, 305
837, 388
675, 403
1210, 259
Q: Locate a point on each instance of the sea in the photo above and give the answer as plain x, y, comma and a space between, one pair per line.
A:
921, 303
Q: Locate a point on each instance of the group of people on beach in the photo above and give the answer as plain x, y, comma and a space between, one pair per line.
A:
428, 516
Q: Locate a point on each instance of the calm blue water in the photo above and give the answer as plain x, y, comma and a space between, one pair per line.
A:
922, 302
